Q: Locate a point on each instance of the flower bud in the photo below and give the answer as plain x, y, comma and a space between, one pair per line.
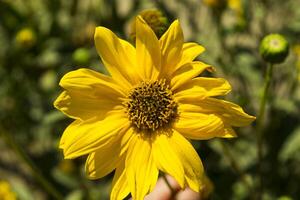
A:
25, 38
274, 48
155, 19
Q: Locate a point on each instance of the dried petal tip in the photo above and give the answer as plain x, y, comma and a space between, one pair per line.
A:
274, 48
155, 19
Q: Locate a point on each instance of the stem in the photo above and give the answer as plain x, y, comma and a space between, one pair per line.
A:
34, 170
295, 81
260, 123
268, 77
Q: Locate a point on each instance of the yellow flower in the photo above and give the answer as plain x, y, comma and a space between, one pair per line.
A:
26, 38
5, 191
136, 121
237, 6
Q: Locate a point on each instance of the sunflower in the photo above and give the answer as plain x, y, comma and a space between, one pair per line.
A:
138, 120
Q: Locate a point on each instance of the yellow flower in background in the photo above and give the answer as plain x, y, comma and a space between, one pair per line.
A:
5, 191
26, 38
136, 121
236, 5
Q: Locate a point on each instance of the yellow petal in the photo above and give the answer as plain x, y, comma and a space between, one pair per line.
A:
187, 72
199, 126
80, 105
66, 137
104, 160
88, 94
228, 132
84, 137
141, 171
166, 158
171, 47
190, 51
124, 142
147, 50
117, 55
193, 168
91, 83
201, 87
231, 113
120, 187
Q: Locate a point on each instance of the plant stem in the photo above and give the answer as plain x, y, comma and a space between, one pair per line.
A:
33, 168
260, 123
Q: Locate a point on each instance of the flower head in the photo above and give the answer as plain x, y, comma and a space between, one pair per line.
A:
136, 121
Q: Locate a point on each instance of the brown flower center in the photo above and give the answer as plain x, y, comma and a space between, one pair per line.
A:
150, 106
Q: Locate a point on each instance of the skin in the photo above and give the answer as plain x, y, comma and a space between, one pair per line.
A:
163, 192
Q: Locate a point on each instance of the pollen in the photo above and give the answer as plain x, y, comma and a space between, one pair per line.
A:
150, 106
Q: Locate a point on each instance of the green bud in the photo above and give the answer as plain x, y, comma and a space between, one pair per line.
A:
81, 56
274, 48
155, 19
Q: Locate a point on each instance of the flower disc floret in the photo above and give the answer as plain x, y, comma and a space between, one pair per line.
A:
150, 105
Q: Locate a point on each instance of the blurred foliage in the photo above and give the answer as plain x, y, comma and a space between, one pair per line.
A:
43, 39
